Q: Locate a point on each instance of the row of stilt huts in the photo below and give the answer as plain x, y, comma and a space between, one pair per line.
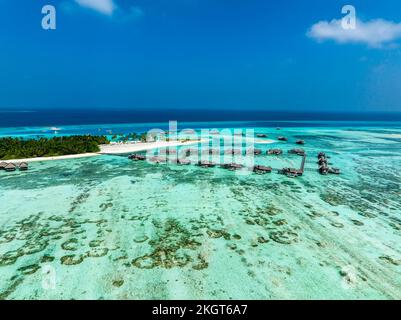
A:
259, 169
11, 166
324, 165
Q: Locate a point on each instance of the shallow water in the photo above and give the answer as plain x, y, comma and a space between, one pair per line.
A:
110, 228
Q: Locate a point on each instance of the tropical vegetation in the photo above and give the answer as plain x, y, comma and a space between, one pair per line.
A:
19, 148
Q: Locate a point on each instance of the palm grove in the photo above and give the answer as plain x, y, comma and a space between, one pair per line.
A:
18, 148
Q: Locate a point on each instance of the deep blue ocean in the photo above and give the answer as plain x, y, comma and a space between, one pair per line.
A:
86, 116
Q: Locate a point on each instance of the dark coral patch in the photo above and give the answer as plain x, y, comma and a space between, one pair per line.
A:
71, 260
70, 245
29, 269
283, 237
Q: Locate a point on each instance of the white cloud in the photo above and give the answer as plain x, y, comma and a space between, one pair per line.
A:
103, 6
374, 33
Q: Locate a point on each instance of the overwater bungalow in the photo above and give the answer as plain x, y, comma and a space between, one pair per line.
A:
23, 166
291, 172
158, 159
300, 142
183, 162
190, 151
232, 166
137, 157
10, 167
180, 161
3, 165
261, 135
262, 169
206, 164
211, 151
282, 139
334, 170
256, 152
167, 151
233, 151
300, 152
275, 152
324, 170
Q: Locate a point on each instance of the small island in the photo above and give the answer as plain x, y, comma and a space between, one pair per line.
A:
18, 148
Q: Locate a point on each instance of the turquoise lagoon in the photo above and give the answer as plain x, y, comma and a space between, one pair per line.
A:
109, 228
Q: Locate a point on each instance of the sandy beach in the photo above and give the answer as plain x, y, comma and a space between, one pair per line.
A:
142, 146
112, 149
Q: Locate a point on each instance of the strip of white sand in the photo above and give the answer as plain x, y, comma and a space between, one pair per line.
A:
38, 159
136, 147
112, 149
263, 141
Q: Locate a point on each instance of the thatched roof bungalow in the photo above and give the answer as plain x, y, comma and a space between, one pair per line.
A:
2, 165
233, 151
168, 151
256, 152
291, 172
262, 169
275, 151
206, 164
334, 170
158, 159
300, 152
211, 151
23, 166
10, 167
232, 166
183, 162
137, 157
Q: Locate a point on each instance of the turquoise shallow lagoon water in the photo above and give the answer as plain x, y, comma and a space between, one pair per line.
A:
110, 228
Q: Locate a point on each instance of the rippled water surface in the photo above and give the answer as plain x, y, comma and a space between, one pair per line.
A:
110, 228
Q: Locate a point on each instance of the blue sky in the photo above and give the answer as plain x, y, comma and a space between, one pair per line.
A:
273, 55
